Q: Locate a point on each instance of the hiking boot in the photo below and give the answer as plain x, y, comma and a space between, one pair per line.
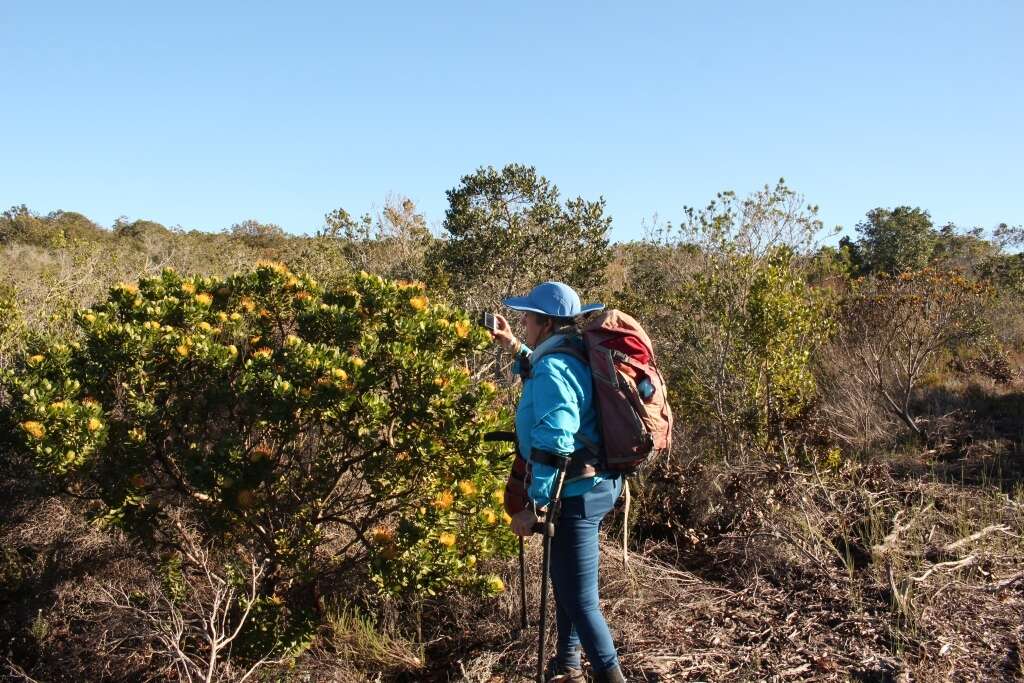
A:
612, 675
559, 673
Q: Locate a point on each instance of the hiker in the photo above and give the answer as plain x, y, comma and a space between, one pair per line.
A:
556, 418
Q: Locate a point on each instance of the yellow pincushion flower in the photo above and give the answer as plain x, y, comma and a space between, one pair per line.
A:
275, 266
232, 349
446, 539
34, 428
419, 302
462, 329
89, 318
498, 496
204, 299
339, 374
506, 518
151, 325
444, 500
248, 304
188, 288
36, 360
262, 353
495, 584
205, 326
236, 316
489, 516
182, 350
358, 362
222, 316
94, 424
468, 488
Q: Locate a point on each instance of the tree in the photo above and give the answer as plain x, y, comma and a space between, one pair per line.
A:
895, 326
20, 225
508, 230
739, 321
266, 236
139, 229
895, 240
393, 245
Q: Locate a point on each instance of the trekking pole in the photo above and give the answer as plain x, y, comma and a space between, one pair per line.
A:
547, 527
523, 623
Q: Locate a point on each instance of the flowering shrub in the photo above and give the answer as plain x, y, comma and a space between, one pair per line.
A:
319, 428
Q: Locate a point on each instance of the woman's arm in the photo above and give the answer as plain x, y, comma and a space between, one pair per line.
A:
556, 421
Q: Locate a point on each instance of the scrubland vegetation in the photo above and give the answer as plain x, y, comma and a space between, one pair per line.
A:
252, 455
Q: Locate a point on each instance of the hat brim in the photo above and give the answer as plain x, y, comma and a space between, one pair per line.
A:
523, 303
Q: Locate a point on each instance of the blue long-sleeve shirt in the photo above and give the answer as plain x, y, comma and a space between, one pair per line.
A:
557, 403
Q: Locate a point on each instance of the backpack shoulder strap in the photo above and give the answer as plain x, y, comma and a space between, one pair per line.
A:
569, 347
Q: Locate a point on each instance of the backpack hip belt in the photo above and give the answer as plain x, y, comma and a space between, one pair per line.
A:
581, 463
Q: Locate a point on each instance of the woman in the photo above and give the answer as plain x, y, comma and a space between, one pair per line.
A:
556, 418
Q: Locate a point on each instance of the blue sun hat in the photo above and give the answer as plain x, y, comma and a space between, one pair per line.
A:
552, 298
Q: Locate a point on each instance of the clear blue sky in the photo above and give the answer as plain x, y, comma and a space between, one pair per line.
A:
204, 114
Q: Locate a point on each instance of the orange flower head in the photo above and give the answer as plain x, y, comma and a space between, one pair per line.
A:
444, 500
34, 428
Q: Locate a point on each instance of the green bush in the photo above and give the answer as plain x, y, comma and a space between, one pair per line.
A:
735, 319
749, 336
318, 428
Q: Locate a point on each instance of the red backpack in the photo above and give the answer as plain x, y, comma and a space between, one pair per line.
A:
629, 391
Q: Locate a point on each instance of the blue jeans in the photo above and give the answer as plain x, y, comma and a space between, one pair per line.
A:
574, 563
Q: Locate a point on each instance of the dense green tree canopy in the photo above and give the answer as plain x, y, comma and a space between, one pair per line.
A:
894, 240
508, 230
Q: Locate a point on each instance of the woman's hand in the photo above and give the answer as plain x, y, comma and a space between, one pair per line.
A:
523, 521
503, 335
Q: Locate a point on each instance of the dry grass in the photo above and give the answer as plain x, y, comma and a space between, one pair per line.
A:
876, 579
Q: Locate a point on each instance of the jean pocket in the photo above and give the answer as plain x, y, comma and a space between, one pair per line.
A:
598, 501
